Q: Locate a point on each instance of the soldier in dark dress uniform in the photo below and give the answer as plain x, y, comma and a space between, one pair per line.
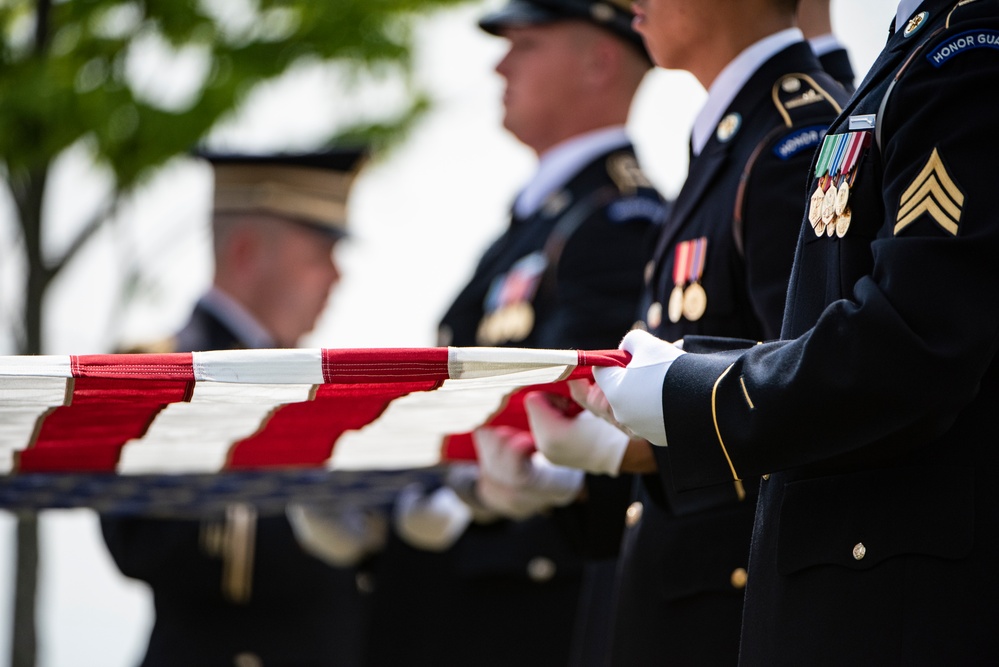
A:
815, 21
566, 273
239, 590
720, 267
871, 422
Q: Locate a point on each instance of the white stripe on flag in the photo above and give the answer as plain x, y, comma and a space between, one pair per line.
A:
45, 365
260, 366
410, 431
474, 362
23, 400
195, 437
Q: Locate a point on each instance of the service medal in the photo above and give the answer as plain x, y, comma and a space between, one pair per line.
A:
688, 267
829, 205
681, 264
675, 308
842, 197
843, 223
486, 333
695, 302
502, 326
650, 272
815, 206
654, 317
519, 320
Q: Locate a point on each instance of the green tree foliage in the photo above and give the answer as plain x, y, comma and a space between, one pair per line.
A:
68, 77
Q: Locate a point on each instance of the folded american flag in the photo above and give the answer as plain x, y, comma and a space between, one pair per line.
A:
82, 430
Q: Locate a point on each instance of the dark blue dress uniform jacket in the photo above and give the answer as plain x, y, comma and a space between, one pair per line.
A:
685, 555
874, 419
837, 64
301, 612
507, 593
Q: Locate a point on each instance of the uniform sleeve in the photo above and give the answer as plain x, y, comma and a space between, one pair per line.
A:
884, 371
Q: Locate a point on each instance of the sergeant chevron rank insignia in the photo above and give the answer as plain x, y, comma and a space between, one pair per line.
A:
933, 192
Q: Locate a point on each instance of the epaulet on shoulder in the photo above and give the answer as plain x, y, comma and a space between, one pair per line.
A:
795, 96
162, 346
623, 169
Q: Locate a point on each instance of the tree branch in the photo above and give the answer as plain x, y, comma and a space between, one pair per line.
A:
95, 224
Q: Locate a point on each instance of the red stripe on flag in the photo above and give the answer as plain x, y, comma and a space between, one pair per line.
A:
304, 433
385, 365
87, 436
173, 366
588, 358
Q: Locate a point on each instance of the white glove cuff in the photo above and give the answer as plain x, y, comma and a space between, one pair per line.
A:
340, 539
463, 478
561, 485
638, 403
431, 522
610, 445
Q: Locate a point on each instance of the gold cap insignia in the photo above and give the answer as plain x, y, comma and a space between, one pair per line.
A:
934, 192
602, 13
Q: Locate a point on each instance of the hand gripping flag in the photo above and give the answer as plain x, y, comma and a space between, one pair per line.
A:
172, 433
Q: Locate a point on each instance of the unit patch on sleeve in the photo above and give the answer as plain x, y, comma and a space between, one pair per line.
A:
634, 208
933, 192
800, 140
962, 43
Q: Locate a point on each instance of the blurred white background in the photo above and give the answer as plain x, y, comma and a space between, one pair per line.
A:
421, 215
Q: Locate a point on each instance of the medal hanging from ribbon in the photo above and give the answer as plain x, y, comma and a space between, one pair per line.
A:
681, 256
688, 298
509, 315
695, 299
835, 172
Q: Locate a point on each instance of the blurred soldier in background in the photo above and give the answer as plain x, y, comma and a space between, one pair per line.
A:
871, 422
567, 273
815, 22
720, 268
239, 590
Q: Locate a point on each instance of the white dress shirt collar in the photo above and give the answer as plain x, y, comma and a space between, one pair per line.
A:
560, 163
824, 44
239, 320
731, 80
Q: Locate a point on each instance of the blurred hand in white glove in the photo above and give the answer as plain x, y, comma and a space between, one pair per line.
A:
430, 521
341, 537
635, 393
516, 483
586, 441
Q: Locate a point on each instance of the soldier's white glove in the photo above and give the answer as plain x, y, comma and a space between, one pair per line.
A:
585, 441
635, 392
433, 521
463, 478
517, 483
589, 395
340, 537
